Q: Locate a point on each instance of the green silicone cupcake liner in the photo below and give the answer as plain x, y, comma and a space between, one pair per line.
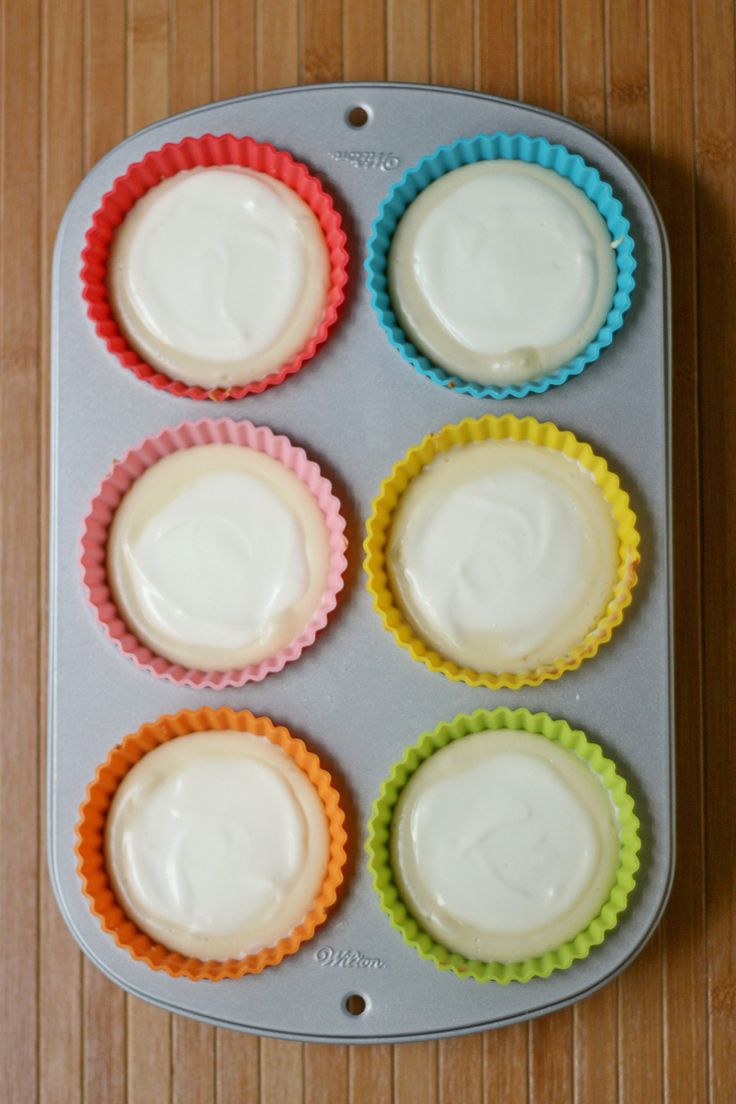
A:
379, 832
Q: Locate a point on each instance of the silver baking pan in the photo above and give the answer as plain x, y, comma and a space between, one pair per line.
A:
355, 696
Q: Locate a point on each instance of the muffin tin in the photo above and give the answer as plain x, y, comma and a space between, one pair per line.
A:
355, 697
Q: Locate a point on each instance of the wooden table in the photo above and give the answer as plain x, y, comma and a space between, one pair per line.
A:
658, 80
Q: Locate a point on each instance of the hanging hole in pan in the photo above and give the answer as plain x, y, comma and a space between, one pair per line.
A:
357, 116
355, 1004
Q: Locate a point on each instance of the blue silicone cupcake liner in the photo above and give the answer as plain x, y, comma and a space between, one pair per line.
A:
490, 147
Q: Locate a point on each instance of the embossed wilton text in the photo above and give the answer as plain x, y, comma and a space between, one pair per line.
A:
330, 956
367, 159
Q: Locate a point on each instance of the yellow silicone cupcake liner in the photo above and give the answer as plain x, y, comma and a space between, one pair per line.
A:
490, 427
90, 842
378, 846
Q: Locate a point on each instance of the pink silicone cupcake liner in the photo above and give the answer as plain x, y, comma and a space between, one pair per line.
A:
124, 472
192, 153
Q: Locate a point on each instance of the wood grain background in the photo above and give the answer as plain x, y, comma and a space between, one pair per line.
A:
658, 79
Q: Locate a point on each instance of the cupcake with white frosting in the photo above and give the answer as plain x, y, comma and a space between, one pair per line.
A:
501, 552
219, 275
500, 265
216, 844
504, 845
214, 267
214, 553
218, 557
211, 844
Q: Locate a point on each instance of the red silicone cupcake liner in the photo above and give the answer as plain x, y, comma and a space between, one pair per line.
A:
124, 472
156, 166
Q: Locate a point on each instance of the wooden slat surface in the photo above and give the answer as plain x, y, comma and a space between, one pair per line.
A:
658, 78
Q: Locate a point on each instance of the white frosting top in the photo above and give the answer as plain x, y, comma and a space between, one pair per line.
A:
219, 275
218, 556
505, 845
502, 271
217, 844
503, 554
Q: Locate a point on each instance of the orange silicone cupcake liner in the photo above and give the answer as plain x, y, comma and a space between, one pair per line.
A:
90, 842
206, 152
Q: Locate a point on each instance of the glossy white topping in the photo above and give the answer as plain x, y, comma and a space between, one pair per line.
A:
502, 271
505, 845
219, 275
218, 557
503, 554
216, 844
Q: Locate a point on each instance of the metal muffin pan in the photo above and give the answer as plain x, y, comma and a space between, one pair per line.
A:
355, 697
